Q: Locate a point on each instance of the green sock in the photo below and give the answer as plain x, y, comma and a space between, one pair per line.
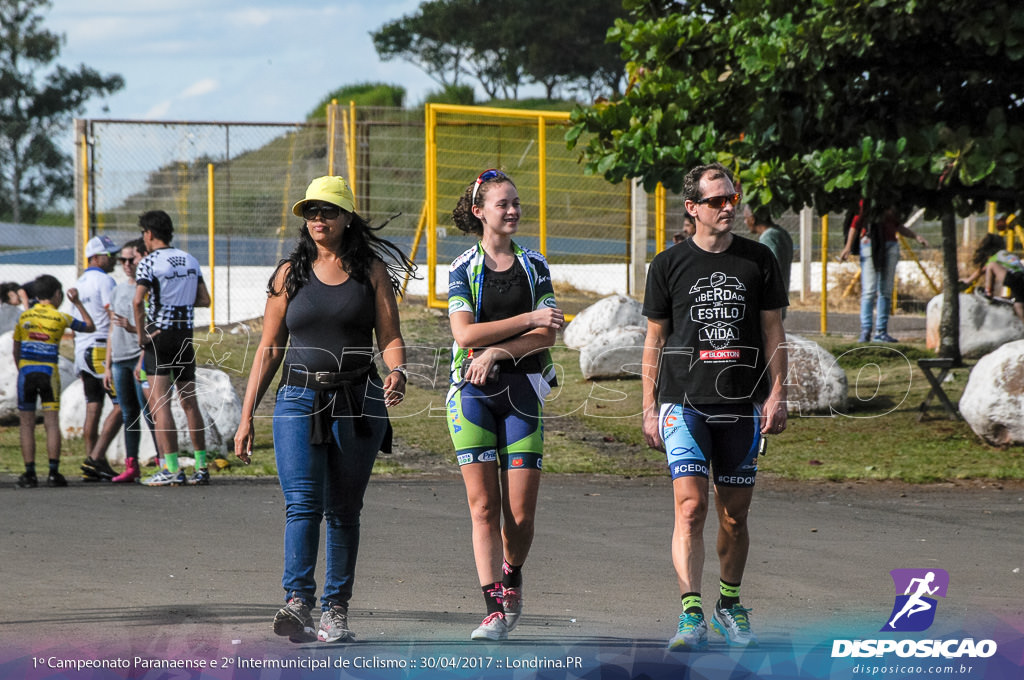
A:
171, 462
692, 603
200, 457
730, 594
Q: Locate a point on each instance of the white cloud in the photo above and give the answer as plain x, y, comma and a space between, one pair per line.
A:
201, 87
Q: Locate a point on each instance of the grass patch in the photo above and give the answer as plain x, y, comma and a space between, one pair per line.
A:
594, 426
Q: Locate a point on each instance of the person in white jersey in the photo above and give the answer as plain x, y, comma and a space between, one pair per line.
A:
173, 284
94, 288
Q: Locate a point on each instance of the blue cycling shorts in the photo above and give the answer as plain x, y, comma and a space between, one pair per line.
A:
723, 438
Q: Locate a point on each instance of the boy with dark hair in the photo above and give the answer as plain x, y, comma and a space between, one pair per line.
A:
36, 343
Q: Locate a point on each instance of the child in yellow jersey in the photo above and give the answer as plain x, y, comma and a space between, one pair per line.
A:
36, 350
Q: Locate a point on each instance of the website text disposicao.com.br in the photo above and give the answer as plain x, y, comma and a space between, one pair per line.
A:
959, 657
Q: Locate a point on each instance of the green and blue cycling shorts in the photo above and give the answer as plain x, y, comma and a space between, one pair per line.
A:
499, 421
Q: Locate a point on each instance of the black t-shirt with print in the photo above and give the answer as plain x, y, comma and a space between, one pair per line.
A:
714, 353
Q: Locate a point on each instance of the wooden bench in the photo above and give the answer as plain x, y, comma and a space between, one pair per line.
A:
935, 371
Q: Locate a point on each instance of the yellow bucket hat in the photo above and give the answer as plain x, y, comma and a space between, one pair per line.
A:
333, 190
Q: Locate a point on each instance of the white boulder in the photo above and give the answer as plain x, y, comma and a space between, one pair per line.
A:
984, 325
993, 400
614, 353
610, 313
9, 378
815, 382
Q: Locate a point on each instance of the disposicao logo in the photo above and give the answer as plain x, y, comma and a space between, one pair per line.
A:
914, 610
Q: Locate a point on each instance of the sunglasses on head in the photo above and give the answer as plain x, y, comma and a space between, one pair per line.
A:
328, 212
485, 176
718, 202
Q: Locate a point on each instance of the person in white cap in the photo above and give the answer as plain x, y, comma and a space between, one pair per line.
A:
326, 303
94, 288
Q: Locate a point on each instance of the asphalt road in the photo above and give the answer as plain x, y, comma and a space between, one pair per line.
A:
109, 567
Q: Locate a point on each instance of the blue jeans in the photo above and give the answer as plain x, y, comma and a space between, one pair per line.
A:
323, 482
877, 284
133, 404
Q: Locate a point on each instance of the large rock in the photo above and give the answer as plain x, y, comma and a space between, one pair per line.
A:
218, 402
9, 378
611, 313
815, 383
615, 353
984, 325
993, 400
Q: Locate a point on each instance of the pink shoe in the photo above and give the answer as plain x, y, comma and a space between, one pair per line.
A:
131, 471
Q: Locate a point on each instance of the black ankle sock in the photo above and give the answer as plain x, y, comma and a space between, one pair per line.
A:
492, 596
54, 466
512, 576
30, 468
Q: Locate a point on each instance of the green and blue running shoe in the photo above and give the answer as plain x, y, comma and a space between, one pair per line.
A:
734, 625
692, 635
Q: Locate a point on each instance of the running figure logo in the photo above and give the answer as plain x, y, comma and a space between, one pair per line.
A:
914, 610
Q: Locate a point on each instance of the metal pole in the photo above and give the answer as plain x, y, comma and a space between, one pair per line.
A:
211, 248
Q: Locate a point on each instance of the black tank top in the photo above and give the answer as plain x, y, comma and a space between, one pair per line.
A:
331, 327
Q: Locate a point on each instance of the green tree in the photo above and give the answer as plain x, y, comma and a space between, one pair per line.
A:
431, 39
36, 108
505, 44
820, 102
363, 94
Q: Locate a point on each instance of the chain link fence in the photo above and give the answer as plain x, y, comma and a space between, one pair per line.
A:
238, 181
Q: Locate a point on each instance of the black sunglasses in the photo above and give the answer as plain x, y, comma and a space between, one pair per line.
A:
328, 212
718, 202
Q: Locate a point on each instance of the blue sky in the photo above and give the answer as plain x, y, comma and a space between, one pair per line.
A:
230, 60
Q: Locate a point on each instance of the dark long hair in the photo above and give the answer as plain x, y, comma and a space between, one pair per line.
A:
989, 246
359, 248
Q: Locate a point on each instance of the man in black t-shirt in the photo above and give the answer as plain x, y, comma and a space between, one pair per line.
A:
714, 366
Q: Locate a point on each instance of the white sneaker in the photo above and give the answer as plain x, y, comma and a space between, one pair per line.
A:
493, 627
734, 625
512, 601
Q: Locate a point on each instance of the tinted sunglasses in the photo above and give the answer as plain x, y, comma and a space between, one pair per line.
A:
485, 176
718, 202
328, 212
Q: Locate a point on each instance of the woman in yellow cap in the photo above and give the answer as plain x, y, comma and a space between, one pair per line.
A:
326, 302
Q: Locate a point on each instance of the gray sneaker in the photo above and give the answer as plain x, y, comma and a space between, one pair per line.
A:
295, 622
493, 627
734, 625
334, 626
692, 634
512, 601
